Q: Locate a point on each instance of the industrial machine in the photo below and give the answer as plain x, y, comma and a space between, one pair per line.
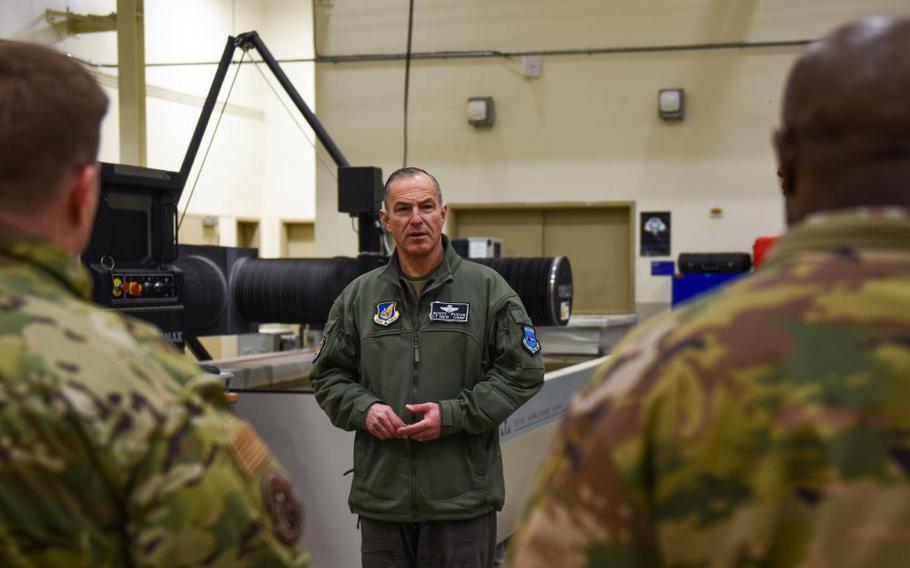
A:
138, 266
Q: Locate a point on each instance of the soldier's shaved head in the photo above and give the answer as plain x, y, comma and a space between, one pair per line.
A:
845, 136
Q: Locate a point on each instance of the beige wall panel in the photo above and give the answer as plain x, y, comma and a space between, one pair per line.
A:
596, 240
298, 240
380, 26
521, 231
587, 129
195, 231
248, 234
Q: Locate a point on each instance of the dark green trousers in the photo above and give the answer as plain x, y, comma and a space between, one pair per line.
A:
434, 544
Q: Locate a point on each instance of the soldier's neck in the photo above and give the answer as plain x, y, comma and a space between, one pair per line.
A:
417, 266
41, 225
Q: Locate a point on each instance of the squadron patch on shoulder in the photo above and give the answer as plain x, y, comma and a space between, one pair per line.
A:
386, 313
283, 506
529, 339
318, 349
456, 312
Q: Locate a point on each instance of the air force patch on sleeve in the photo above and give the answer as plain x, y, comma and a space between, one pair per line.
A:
318, 349
386, 313
455, 312
529, 339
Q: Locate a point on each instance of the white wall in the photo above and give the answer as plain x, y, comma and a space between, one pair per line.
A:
260, 166
587, 129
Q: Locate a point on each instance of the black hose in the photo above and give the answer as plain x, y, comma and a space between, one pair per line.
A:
285, 290
543, 284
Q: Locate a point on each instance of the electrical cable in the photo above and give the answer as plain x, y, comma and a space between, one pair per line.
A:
211, 140
293, 117
407, 80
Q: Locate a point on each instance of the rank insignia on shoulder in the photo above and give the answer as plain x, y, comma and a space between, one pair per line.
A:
248, 450
529, 339
318, 349
386, 313
450, 311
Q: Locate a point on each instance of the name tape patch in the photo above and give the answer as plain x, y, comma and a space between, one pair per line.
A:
452, 312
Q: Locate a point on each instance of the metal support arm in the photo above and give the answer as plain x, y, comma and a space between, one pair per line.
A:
370, 239
247, 41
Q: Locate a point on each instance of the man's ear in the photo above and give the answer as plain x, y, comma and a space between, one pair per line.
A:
384, 217
82, 199
444, 212
785, 149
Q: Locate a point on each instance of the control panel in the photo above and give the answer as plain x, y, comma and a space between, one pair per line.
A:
135, 286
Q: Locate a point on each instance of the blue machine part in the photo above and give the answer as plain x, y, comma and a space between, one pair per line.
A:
688, 286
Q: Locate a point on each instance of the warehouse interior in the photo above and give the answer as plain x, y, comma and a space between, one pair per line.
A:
573, 158
580, 143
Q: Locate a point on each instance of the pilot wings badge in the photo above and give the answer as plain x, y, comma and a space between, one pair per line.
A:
386, 313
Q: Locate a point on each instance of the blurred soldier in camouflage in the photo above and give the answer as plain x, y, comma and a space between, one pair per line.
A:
114, 450
768, 424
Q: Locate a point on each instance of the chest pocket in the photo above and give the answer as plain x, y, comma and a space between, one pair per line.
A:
450, 360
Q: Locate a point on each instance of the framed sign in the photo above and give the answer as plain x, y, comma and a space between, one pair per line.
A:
655, 233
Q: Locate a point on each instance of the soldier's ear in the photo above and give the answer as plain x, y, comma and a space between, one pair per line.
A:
82, 202
785, 148
83, 192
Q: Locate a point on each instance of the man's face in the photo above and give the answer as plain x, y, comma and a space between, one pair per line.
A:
414, 216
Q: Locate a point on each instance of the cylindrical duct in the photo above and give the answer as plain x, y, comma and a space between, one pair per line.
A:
204, 292
286, 290
543, 284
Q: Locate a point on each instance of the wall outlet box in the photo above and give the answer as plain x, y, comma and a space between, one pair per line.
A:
530, 66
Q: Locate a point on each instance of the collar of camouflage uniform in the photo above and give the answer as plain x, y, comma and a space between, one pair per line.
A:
49, 258
882, 228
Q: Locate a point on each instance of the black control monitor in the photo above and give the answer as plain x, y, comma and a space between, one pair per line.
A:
136, 223
133, 247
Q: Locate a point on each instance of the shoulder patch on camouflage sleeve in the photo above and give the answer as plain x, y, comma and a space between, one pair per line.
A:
283, 506
248, 450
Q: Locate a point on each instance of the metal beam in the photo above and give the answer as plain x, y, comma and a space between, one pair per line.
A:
81, 23
131, 81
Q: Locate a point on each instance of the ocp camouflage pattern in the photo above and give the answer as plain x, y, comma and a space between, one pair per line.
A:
114, 449
767, 424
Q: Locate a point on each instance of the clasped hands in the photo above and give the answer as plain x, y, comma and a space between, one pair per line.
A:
383, 423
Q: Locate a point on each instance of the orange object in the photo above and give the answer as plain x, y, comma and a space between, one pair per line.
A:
760, 250
135, 289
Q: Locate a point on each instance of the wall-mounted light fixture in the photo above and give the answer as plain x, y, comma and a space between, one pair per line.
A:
480, 111
671, 104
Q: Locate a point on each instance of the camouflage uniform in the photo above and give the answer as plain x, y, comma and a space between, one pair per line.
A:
114, 450
765, 425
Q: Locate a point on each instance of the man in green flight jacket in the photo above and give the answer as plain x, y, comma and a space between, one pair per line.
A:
424, 358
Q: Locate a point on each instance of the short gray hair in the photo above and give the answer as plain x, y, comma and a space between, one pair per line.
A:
405, 172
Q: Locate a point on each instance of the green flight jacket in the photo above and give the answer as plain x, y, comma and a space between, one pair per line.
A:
466, 343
